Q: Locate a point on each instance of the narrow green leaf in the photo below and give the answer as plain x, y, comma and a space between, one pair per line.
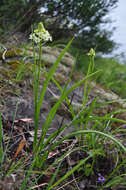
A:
55, 107
90, 131
1, 139
53, 177
43, 91
71, 171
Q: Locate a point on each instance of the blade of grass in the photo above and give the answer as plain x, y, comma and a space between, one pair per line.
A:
14, 166
43, 91
1, 142
53, 177
52, 138
116, 181
12, 127
54, 109
60, 159
23, 186
90, 131
106, 118
71, 171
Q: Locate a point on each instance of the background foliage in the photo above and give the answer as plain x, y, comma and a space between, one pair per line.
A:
63, 19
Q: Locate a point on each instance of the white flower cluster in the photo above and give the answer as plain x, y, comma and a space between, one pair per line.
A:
91, 52
40, 34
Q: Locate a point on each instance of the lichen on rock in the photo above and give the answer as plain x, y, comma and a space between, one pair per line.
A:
23, 56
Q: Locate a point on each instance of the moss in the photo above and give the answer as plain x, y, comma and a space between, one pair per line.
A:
11, 53
5, 73
14, 62
45, 64
59, 78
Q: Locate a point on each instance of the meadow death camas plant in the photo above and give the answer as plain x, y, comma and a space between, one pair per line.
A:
40, 34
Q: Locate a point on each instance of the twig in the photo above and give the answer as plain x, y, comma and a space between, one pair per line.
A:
76, 117
68, 160
4, 53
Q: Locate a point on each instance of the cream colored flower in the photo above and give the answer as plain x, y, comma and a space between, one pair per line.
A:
40, 34
91, 52
34, 38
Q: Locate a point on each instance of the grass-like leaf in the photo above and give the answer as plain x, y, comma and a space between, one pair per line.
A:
1, 142
43, 91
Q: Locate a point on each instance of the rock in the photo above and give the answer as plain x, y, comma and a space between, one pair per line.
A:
18, 94
64, 107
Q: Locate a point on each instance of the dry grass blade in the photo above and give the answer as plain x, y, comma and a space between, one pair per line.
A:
20, 147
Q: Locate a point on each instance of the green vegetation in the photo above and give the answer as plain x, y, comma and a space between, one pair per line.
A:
92, 144
95, 152
63, 19
112, 74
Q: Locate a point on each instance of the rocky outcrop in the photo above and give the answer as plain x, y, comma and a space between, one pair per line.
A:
16, 87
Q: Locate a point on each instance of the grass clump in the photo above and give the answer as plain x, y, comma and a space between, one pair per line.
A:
86, 147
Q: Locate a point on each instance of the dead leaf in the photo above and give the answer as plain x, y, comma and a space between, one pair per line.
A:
20, 147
